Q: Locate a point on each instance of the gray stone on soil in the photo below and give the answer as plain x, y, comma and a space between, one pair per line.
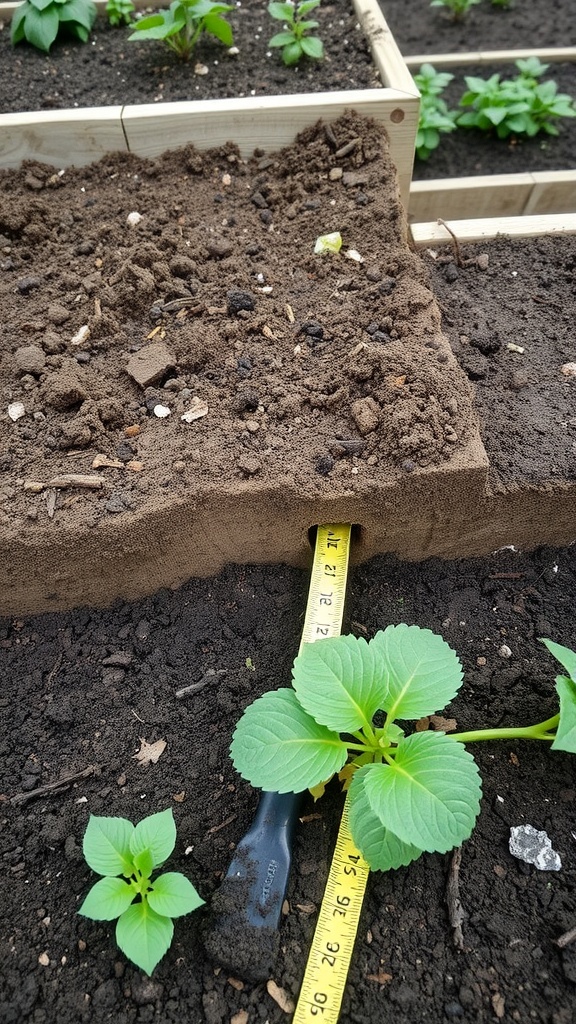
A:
533, 847
366, 414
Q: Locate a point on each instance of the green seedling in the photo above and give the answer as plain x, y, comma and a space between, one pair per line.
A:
435, 117
39, 22
294, 39
119, 12
127, 855
458, 8
519, 106
408, 793
181, 26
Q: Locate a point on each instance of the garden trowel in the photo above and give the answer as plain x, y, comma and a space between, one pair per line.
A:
242, 932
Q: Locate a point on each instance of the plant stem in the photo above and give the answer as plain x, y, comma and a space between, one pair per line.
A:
540, 731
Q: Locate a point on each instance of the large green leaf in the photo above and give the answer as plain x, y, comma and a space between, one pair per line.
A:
173, 895
564, 655
339, 682
566, 729
41, 27
429, 796
143, 935
106, 845
156, 833
278, 747
107, 899
423, 673
378, 845
219, 28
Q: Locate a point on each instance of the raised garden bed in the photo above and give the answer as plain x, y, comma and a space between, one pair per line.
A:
337, 351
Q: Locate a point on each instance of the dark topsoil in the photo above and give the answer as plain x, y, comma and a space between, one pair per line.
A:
80, 691
110, 70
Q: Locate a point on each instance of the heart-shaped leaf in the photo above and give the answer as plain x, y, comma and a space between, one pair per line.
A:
106, 845
143, 935
156, 833
173, 895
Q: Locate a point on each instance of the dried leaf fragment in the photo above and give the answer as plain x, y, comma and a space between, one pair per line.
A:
197, 409
239, 1018
382, 978
103, 460
150, 753
280, 996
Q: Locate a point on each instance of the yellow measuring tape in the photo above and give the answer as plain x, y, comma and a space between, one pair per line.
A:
331, 951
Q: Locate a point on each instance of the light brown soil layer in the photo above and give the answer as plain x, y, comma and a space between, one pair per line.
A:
332, 396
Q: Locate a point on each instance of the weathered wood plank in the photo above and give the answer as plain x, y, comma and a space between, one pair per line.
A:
484, 228
60, 137
556, 54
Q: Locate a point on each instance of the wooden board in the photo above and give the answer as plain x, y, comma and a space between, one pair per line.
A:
482, 229
556, 54
60, 137
493, 195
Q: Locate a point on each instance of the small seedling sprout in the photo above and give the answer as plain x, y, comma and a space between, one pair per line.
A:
127, 855
294, 40
181, 26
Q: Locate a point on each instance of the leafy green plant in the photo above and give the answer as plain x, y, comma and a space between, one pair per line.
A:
523, 105
181, 26
408, 793
435, 117
144, 907
39, 22
119, 12
294, 39
458, 7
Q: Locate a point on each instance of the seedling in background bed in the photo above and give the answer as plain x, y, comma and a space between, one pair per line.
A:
181, 26
435, 117
517, 106
114, 847
119, 12
294, 40
38, 22
408, 793
458, 7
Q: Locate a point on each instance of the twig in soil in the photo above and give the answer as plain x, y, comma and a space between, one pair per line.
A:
51, 787
456, 912
216, 828
457, 250
208, 677
54, 670
566, 938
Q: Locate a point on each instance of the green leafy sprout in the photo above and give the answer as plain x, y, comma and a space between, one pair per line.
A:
39, 22
407, 793
115, 847
119, 12
435, 117
294, 39
458, 7
181, 26
523, 105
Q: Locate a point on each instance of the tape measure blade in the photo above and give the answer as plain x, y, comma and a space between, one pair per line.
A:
328, 963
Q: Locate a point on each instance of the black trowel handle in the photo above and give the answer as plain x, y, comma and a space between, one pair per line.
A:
263, 856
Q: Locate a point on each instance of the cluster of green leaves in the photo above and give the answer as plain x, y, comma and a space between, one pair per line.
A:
294, 39
408, 793
435, 117
39, 22
114, 847
458, 8
119, 12
181, 26
523, 105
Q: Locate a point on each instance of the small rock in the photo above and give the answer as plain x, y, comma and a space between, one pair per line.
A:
30, 359
219, 248
533, 847
237, 300
57, 314
569, 369
133, 219
504, 651
324, 464
451, 273
115, 503
249, 464
28, 284
16, 411
247, 400
366, 414
161, 411
63, 388
150, 364
483, 261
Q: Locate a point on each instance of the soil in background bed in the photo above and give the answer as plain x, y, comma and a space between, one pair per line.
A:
83, 688
525, 395
323, 370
